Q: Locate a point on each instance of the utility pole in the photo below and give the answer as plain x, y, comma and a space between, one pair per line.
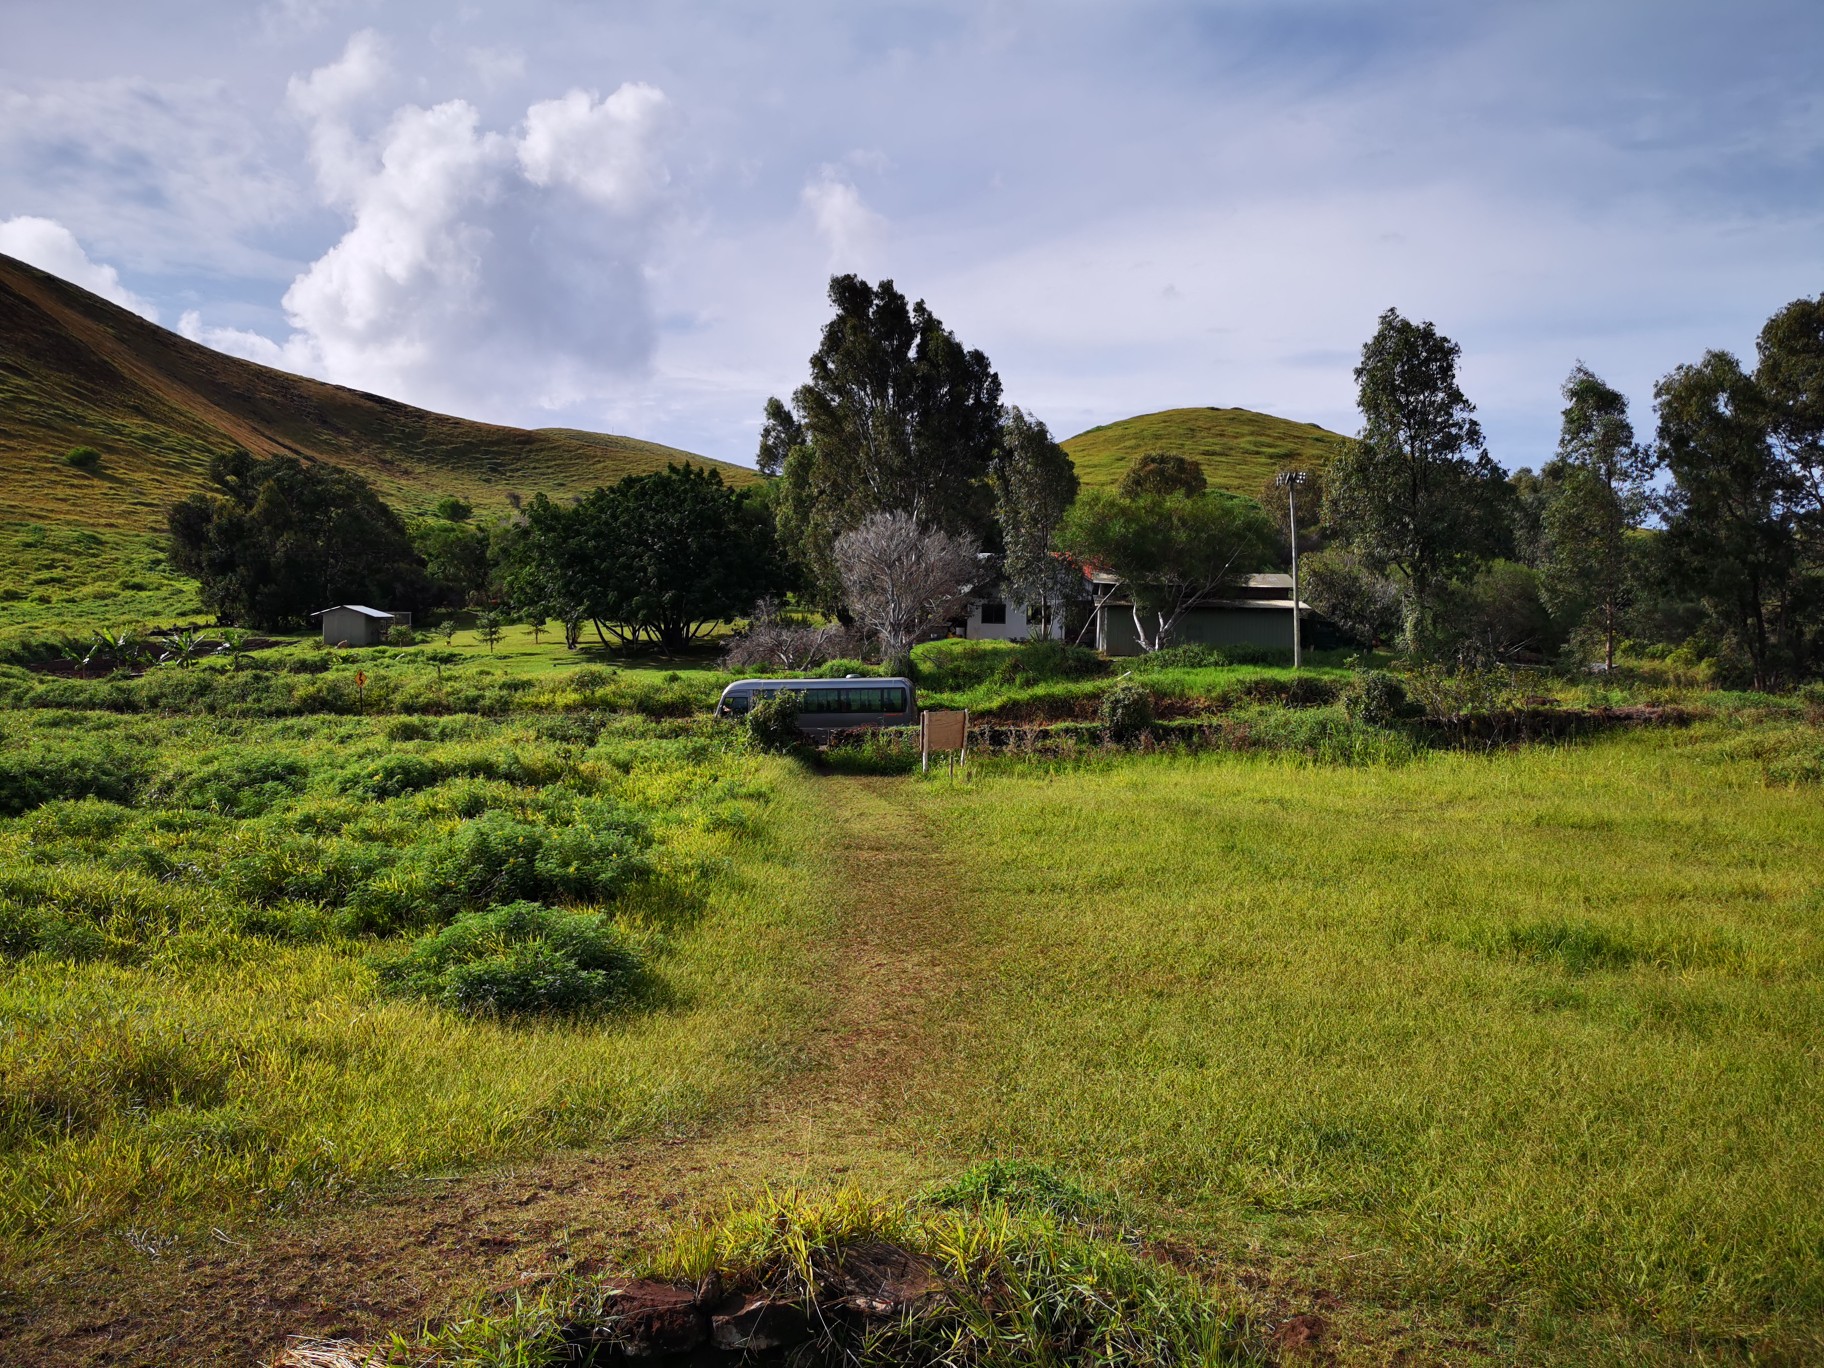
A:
1290, 480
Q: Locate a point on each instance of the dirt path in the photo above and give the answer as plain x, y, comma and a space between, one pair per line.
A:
432, 1247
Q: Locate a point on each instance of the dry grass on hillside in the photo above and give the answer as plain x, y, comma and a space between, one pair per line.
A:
78, 371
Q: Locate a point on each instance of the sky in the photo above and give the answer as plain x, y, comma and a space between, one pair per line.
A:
622, 216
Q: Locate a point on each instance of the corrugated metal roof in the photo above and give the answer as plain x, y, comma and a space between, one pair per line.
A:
361, 608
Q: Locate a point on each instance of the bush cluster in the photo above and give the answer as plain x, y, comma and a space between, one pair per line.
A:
772, 723
1375, 698
519, 959
1127, 712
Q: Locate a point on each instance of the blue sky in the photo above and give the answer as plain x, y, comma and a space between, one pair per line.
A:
622, 215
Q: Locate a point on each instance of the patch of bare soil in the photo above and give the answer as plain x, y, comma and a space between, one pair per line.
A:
433, 1246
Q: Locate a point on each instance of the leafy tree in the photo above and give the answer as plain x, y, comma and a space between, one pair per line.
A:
1416, 494
1790, 374
455, 558
780, 435
489, 630
452, 509
1160, 472
1034, 484
279, 539
1499, 616
901, 579
1170, 550
1736, 510
1362, 602
1595, 497
654, 557
897, 417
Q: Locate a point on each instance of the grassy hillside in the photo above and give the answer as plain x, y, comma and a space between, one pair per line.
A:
77, 371
1240, 450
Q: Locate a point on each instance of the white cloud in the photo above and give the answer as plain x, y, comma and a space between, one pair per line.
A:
250, 346
154, 175
49, 246
605, 149
850, 229
481, 271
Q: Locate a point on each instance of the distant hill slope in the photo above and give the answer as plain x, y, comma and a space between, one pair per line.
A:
1240, 450
76, 370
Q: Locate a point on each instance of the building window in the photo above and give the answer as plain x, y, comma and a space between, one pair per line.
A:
994, 614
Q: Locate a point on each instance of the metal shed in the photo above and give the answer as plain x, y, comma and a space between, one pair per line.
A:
355, 624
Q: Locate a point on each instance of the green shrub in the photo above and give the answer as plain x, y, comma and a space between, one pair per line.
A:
519, 960
242, 784
31, 778
496, 859
1375, 698
772, 723
1127, 712
83, 458
400, 635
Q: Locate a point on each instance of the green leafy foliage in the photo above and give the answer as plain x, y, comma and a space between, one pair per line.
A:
1374, 698
83, 458
279, 539
521, 959
656, 557
1417, 495
771, 724
1126, 712
1169, 550
897, 417
1163, 472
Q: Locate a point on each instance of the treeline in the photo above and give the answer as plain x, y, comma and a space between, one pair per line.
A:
897, 481
1708, 539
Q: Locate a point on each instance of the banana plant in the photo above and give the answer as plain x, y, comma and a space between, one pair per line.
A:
122, 648
182, 648
233, 644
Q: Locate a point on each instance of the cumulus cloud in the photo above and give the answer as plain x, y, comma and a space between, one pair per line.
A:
850, 229
480, 269
608, 150
49, 246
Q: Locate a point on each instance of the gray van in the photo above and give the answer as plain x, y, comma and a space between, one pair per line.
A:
830, 704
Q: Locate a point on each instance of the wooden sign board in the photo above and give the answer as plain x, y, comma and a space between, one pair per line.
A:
942, 731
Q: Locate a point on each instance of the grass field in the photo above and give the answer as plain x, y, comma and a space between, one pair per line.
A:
1240, 450
1488, 1058
1539, 1030
192, 911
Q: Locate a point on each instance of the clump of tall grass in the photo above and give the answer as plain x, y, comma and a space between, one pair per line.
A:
522, 959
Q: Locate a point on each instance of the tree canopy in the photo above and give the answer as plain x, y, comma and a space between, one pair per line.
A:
1034, 484
655, 557
1170, 550
897, 416
1161, 472
280, 538
1742, 521
1595, 497
1416, 494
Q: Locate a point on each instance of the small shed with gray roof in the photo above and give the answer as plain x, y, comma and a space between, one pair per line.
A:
355, 624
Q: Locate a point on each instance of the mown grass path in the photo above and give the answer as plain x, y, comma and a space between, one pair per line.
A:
432, 1245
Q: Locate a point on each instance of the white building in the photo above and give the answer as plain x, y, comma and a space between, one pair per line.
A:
998, 619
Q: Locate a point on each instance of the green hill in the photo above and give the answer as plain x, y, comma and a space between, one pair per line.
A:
76, 370
1241, 450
